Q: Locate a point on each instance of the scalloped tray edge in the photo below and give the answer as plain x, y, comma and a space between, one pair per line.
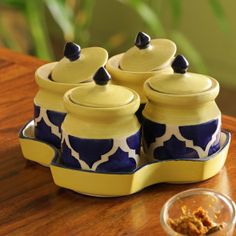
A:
114, 184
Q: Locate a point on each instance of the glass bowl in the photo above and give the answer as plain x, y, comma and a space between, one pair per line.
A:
220, 209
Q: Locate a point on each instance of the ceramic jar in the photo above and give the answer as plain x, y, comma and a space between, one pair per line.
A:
54, 79
101, 132
181, 118
147, 58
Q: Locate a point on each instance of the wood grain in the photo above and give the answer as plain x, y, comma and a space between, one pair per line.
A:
31, 204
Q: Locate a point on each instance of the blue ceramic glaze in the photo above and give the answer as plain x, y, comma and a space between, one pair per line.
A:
118, 162
67, 157
139, 112
102, 155
200, 134
151, 131
101, 77
142, 40
174, 142
48, 125
90, 150
134, 142
174, 148
72, 51
180, 64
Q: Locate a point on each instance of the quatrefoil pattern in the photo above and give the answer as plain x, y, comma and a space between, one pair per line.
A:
48, 125
102, 155
174, 142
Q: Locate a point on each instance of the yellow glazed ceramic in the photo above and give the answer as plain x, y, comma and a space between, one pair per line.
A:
100, 131
181, 118
119, 184
54, 79
33, 149
145, 59
153, 55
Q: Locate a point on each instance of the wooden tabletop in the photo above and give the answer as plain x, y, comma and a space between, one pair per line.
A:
31, 204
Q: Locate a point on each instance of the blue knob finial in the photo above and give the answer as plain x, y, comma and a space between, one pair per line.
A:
72, 51
101, 76
180, 64
142, 40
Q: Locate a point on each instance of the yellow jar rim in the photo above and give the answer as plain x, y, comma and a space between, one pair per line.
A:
42, 78
176, 83
79, 109
181, 99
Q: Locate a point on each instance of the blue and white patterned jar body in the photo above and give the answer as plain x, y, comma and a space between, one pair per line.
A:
102, 155
110, 144
47, 125
163, 141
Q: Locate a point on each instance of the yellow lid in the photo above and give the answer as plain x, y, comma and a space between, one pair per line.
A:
78, 65
148, 55
101, 94
180, 82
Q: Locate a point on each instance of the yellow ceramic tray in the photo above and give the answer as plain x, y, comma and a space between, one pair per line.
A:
110, 184
33, 149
